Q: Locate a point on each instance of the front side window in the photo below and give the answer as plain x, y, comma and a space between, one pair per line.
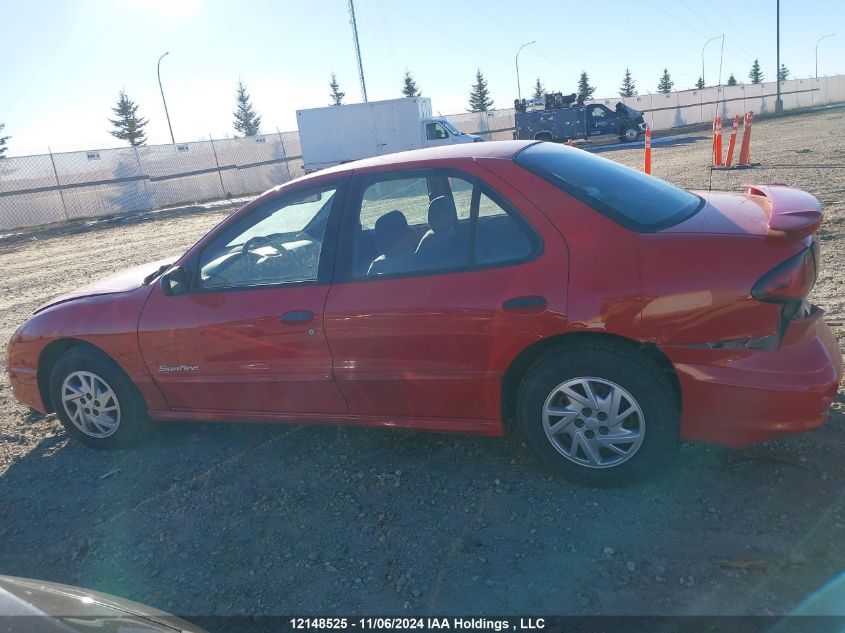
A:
627, 196
434, 221
435, 132
280, 242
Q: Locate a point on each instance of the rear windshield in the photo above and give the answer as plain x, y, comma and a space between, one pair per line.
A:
627, 196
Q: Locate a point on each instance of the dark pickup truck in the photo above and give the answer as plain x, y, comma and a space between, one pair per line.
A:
562, 118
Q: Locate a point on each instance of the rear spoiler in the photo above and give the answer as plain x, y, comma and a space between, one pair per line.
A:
791, 211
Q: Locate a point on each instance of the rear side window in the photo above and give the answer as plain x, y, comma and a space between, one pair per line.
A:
427, 221
631, 198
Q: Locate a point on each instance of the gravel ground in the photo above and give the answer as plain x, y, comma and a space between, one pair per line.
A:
255, 519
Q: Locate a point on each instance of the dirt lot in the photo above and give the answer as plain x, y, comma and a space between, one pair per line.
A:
258, 519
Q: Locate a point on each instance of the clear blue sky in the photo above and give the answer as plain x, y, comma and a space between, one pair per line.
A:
66, 60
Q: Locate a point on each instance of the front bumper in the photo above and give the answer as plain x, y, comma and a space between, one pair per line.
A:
24, 382
743, 397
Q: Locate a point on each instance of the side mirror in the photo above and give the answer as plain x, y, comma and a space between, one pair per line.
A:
174, 282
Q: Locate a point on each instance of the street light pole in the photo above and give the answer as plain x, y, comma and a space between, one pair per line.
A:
519, 50
158, 70
712, 39
824, 37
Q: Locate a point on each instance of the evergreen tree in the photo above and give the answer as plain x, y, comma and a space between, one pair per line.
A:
585, 90
336, 95
539, 90
732, 80
410, 88
700, 83
3, 140
128, 126
247, 122
665, 84
479, 97
628, 87
783, 73
756, 75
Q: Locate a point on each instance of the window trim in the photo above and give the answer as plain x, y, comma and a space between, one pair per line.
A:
328, 251
604, 209
351, 219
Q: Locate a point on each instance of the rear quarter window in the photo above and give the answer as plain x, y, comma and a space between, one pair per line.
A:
633, 199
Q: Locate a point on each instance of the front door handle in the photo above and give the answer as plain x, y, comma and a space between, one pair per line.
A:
297, 316
529, 304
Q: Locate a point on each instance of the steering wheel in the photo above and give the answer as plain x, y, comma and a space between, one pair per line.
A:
264, 240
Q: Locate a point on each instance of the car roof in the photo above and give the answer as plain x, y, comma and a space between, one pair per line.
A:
467, 151
486, 149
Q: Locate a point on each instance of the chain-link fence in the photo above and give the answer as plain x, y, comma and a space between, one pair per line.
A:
55, 187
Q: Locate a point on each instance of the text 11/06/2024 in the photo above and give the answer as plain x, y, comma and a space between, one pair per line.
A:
416, 624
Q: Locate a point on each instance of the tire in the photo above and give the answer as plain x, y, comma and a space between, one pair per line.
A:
123, 420
646, 431
629, 134
543, 136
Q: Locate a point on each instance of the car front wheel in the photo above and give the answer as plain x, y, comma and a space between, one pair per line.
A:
598, 414
95, 401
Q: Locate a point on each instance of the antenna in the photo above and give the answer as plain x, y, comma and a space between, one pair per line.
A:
357, 49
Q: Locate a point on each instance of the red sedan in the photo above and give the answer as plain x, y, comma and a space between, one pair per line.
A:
473, 288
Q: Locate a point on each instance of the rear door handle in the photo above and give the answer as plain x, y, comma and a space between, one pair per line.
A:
297, 316
531, 303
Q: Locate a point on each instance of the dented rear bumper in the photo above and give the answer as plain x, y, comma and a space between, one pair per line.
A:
739, 397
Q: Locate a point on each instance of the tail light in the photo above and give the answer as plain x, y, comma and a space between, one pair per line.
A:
790, 281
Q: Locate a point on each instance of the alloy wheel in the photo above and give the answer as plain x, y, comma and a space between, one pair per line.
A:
91, 404
593, 422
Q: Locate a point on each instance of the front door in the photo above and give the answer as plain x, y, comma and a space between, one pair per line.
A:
436, 134
600, 120
418, 317
248, 336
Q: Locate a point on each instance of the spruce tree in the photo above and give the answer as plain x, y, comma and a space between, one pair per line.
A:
665, 84
410, 88
336, 95
756, 75
479, 97
539, 90
700, 83
128, 126
247, 122
732, 80
783, 73
585, 90
3, 140
628, 87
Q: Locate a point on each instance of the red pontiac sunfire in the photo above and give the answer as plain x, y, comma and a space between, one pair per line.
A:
471, 288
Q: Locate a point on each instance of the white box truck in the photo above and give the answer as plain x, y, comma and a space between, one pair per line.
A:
339, 134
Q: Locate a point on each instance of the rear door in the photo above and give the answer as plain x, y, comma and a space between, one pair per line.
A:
423, 338
248, 338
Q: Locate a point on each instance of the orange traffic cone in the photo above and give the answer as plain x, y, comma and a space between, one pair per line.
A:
732, 142
717, 141
647, 157
745, 151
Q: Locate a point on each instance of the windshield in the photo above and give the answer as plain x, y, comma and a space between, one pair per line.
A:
631, 198
452, 129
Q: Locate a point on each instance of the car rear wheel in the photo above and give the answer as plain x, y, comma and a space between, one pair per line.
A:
95, 400
598, 414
